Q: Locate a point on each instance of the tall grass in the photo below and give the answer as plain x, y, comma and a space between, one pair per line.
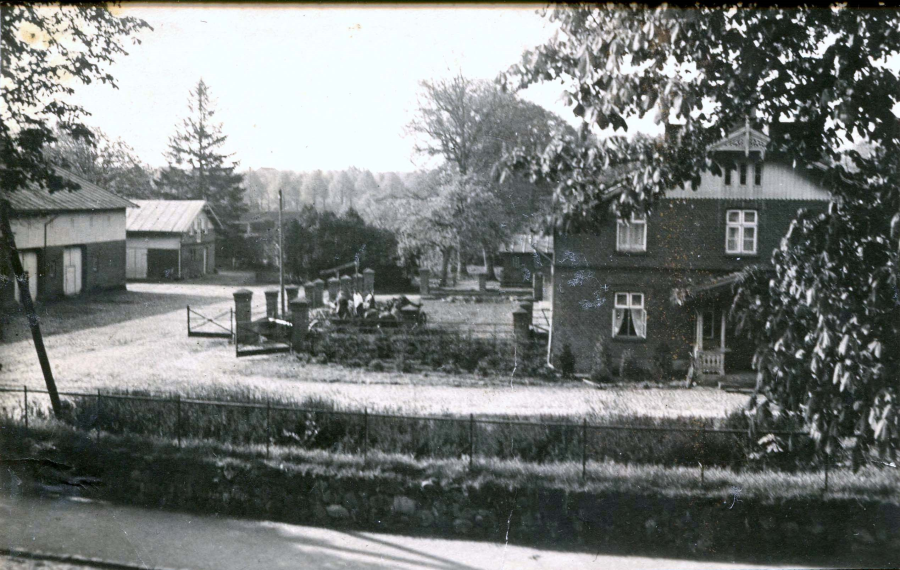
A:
240, 416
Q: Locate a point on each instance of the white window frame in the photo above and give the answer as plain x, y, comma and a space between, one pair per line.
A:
634, 220
741, 225
628, 301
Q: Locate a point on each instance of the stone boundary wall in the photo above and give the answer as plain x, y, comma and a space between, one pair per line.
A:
727, 527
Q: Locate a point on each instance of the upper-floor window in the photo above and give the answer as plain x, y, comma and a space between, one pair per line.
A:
757, 174
727, 176
740, 231
631, 234
629, 316
743, 170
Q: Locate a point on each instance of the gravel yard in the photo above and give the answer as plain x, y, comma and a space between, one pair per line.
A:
137, 340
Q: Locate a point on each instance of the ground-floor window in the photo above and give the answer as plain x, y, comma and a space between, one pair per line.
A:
629, 316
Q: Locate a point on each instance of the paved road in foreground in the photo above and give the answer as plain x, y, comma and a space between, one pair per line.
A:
173, 540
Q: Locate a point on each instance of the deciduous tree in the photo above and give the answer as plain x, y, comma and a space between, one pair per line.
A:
45, 52
827, 324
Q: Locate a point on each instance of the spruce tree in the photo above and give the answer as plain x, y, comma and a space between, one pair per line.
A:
198, 168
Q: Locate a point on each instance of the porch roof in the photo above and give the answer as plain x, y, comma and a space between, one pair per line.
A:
704, 291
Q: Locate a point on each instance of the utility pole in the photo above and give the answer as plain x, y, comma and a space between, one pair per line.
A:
281, 250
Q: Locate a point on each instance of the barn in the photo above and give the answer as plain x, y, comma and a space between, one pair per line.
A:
522, 257
170, 239
69, 242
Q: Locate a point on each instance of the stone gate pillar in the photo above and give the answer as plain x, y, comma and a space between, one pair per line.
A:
291, 292
299, 325
318, 294
242, 315
309, 290
333, 286
482, 281
347, 286
368, 281
521, 324
272, 303
424, 282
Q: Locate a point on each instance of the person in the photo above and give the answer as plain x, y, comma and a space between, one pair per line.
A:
358, 308
342, 305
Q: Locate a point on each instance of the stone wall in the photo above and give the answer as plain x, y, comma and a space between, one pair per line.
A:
726, 527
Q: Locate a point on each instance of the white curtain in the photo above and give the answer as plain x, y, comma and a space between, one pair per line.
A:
639, 318
619, 317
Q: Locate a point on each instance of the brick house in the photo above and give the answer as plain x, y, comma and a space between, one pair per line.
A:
667, 278
69, 242
171, 239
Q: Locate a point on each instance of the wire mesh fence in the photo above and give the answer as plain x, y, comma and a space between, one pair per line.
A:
550, 440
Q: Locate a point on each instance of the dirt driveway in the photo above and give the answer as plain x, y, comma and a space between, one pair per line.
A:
138, 340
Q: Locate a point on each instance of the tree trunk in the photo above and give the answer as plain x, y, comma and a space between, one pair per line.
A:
489, 265
9, 243
445, 263
461, 268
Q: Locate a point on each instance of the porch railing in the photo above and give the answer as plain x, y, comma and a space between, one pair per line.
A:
711, 361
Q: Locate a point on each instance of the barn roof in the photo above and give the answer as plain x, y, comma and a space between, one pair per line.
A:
528, 243
89, 197
165, 216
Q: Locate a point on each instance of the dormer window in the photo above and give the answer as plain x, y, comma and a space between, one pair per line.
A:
743, 173
757, 174
631, 234
727, 176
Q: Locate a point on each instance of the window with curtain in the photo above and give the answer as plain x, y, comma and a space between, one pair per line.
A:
629, 316
741, 231
631, 234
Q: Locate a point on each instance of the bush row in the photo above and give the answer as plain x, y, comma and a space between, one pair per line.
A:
435, 349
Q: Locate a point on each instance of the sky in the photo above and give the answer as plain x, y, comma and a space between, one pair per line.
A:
302, 87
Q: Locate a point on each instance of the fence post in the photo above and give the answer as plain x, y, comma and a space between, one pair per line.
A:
26, 409
268, 432
178, 419
471, 439
98, 415
189, 319
365, 435
584, 450
231, 323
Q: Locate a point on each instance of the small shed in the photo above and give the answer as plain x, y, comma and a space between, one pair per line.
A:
524, 255
170, 239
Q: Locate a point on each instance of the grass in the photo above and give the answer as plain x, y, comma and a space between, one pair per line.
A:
145, 346
63, 443
320, 423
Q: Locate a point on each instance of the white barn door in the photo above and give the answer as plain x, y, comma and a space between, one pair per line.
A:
30, 265
136, 263
72, 270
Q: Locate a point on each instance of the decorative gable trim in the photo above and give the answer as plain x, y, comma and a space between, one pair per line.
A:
745, 139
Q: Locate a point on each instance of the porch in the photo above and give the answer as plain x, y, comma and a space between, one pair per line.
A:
718, 353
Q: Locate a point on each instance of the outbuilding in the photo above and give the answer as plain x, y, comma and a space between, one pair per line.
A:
170, 239
69, 242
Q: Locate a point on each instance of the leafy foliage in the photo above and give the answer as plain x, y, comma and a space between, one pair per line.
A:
47, 51
110, 164
826, 324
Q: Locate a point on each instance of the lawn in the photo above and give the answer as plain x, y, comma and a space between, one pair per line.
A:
137, 340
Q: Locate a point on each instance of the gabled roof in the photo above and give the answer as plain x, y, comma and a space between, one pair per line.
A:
528, 243
165, 216
89, 197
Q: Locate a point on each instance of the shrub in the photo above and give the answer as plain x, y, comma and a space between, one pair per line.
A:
630, 368
567, 361
376, 366
601, 364
662, 360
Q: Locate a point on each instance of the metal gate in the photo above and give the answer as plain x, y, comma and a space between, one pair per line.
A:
210, 327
